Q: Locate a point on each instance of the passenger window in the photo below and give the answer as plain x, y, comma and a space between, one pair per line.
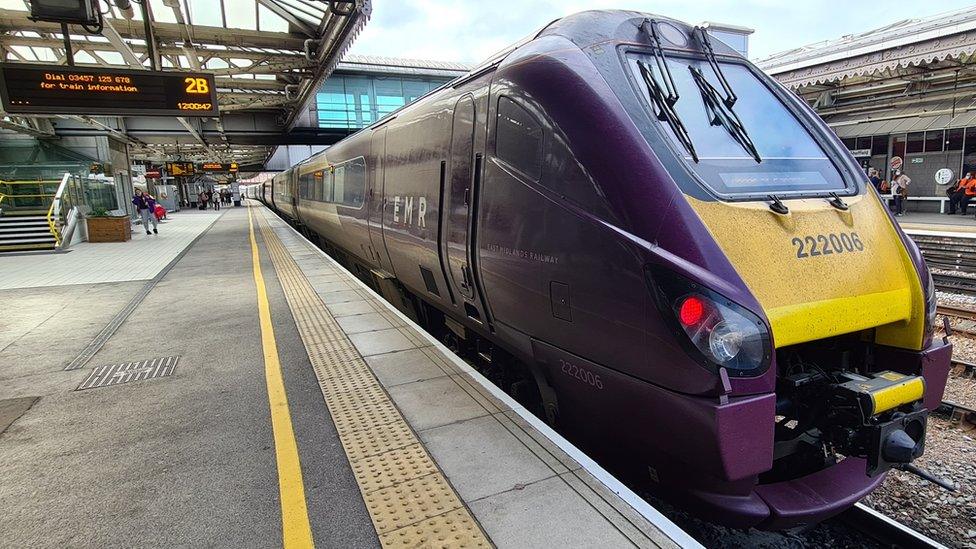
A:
338, 184
350, 183
318, 183
518, 138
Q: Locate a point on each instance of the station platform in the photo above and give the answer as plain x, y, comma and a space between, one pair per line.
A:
226, 384
938, 224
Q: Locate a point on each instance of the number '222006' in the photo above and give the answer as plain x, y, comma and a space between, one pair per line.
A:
581, 374
829, 244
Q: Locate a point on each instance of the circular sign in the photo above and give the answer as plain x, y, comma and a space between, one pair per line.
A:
943, 176
896, 162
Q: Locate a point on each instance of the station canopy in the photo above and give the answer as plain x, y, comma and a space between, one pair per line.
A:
268, 56
909, 76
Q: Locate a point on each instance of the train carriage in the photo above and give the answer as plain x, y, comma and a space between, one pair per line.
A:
622, 220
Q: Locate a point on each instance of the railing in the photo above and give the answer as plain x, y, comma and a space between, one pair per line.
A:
12, 197
54, 212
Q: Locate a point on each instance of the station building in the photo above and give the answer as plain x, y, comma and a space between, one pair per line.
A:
903, 90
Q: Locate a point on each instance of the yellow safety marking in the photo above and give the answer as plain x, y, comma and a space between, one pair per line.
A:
815, 297
910, 390
409, 501
295, 529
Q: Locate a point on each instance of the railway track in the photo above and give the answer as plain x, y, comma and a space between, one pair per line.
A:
948, 253
884, 529
954, 283
957, 312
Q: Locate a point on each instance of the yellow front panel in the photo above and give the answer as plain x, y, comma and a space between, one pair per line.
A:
819, 296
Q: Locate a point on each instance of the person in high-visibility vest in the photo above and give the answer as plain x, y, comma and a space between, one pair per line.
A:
957, 192
968, 186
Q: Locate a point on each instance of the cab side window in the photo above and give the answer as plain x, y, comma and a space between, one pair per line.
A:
518, 138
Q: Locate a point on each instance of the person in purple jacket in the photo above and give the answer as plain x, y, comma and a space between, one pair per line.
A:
146, 207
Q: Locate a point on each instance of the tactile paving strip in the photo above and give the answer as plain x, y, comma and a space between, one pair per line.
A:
409, 501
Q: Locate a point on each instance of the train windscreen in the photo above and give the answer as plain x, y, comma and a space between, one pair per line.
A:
751, 146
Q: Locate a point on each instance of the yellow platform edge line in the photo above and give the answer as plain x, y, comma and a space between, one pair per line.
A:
455, 526
296, 532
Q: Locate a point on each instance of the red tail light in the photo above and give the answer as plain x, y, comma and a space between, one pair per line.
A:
692, 311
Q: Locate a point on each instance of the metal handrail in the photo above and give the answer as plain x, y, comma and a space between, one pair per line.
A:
54, 212
27, 181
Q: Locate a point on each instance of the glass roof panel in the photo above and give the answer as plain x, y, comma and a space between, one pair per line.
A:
160, 11
270, 21
242, 15
207, 12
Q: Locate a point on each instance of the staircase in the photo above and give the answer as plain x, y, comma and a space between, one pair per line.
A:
25, 232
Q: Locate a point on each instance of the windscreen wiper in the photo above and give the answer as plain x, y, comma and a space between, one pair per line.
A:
664, 97
721, 114
719, 106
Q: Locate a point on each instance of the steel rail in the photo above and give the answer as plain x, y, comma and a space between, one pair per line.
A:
885, 529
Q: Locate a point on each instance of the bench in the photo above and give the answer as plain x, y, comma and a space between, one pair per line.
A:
943, 200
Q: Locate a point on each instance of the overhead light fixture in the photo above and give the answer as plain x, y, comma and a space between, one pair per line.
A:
82, 12
125, 8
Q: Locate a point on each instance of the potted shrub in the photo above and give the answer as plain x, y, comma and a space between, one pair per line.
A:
103, 227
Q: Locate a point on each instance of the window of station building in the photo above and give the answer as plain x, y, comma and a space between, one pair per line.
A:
879, 145
954, 139
898, 145
518, 138
351, 102
934, 140
850, 143
969, 151
916, 142
863, 143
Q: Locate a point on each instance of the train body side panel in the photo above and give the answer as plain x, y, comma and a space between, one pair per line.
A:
417, 149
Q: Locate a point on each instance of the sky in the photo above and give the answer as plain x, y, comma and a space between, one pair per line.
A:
472, 30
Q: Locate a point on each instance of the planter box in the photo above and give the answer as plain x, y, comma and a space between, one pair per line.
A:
109, 229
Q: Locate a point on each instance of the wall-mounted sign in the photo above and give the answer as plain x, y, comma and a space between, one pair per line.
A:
943, 176
896, 162
918, 160
56, 89
180, 168
153, 173
218, 167
861, 153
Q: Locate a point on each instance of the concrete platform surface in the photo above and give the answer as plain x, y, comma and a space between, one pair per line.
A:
91, 263
397, 441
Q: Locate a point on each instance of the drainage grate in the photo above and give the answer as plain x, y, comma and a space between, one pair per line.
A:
115, 374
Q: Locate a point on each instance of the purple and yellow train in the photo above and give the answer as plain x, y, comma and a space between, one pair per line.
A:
630, 227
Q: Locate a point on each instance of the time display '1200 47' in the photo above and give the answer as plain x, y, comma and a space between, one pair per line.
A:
53, 89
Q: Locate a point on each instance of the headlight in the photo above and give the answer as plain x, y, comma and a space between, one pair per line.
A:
713, 329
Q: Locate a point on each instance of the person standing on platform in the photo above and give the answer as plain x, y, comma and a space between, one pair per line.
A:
875, 180
899, 190
215, 198
146, 207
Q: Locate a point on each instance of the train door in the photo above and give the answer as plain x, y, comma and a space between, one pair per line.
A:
456, 196
376, 201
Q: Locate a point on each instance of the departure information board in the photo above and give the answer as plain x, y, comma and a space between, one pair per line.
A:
56, 89
218, 167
